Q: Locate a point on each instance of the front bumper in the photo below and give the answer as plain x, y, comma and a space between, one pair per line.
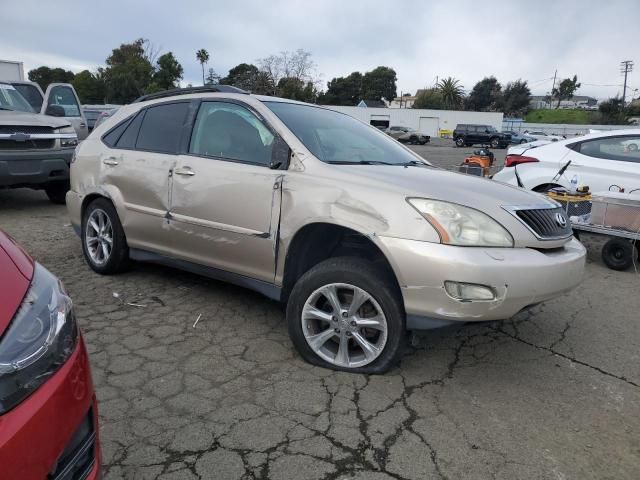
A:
520, 277
47, 436
34, 167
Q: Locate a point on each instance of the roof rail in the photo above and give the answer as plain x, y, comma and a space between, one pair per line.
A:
188, 90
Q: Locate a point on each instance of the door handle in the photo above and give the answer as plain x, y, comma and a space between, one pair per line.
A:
186, 171
111, 161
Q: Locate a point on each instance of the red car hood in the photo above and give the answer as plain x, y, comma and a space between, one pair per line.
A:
16, 271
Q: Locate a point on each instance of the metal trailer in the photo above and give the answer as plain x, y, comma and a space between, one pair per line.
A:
621, 250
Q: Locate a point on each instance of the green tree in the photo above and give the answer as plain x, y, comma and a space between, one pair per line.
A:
486, 95
379, 83
452, 93
168, 72
43, 76
565, 90
429, 98
212, 77
90, 87
516, 98
129, 72
203, 57
343, 91
612, 112
296, 89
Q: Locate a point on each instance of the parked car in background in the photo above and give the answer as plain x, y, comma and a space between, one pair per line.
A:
35, 150
466, 135
48, 414
601, 160
93, 112
517, 137
104, 115
357, 234
61, 95
540, 135
408, 135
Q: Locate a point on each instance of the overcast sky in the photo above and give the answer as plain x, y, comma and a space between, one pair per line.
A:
419, 39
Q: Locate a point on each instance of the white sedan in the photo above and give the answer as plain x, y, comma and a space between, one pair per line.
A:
603, 161
539, 135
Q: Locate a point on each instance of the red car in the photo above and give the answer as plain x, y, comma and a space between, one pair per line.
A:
48, 415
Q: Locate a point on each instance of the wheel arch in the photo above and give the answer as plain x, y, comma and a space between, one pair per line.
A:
320, 240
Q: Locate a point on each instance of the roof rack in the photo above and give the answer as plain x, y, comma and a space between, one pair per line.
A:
188, 90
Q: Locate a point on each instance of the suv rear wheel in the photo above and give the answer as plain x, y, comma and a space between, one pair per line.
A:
103, 241
344, 314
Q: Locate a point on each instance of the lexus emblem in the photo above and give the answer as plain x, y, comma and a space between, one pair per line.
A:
561, 220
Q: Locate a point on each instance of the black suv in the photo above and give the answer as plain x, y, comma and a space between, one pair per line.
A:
466, 135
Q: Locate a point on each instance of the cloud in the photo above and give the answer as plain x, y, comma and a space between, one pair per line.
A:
420, 40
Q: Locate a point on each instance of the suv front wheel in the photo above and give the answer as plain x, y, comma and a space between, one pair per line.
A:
495, 142
344, 314
460, 142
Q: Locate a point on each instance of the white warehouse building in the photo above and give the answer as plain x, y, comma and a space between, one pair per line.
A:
428, 122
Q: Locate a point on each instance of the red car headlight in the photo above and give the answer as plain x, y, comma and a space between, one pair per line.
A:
41, 337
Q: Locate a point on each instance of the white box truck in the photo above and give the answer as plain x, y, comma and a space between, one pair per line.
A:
11, 71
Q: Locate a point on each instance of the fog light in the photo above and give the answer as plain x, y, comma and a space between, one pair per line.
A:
469, 291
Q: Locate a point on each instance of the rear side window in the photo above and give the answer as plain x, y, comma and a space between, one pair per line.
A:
623, 149
128, 138
112, 137
161, 128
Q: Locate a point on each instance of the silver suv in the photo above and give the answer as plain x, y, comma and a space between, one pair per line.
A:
360, 237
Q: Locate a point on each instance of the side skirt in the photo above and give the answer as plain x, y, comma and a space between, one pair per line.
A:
267, 289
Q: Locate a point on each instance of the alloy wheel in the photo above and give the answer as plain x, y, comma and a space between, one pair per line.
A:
99, 236
344, 325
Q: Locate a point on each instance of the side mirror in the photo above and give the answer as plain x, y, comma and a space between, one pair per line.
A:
279, 154
55, 111
487, 131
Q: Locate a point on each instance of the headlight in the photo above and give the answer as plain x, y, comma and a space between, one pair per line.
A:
458, 225
68, 142
41, 337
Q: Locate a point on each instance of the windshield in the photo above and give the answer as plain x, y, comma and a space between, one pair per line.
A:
31, 94
10, 99
338, 138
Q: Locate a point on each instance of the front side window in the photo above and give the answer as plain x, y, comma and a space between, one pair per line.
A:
10, 99
337, 138
161, 128
230, 131
623, 148
63, 97
31, 95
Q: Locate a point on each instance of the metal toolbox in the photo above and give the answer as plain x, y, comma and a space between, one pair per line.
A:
616, 210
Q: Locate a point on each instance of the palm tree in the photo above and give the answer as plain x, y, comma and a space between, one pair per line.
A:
203, 57
451, 92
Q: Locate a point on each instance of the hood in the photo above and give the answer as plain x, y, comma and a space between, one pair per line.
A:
8, 117
476, 192
17, 270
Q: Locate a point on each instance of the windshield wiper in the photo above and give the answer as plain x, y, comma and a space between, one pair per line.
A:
414, 163
6, 108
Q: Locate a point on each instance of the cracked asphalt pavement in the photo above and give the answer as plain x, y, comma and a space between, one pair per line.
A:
553, 393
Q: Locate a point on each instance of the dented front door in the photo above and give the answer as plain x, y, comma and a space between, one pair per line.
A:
225, 215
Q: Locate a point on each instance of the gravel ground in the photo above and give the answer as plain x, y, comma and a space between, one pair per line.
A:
553, 393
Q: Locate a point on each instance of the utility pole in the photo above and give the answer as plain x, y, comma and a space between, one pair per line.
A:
554, 84
626, 67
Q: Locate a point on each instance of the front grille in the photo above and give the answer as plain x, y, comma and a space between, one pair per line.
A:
78, 458
544, 222
27, 145
25, 129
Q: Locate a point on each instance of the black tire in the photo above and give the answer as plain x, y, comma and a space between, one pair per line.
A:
617, 254
57, 192
374, 281
633, 147
523, 141
494, 142
460, 142
118, 260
